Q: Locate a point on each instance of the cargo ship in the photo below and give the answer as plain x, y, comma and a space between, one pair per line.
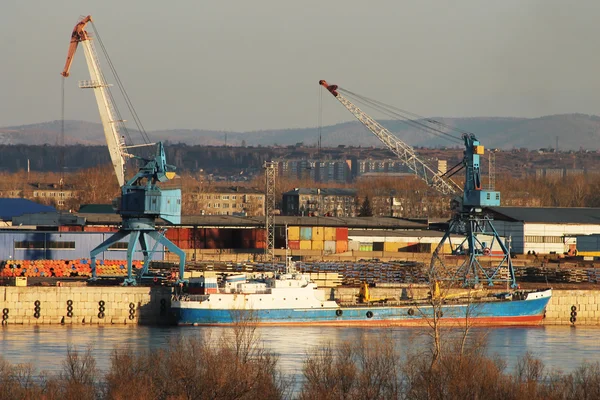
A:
291, 298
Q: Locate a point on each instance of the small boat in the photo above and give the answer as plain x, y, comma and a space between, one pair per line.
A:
291, 298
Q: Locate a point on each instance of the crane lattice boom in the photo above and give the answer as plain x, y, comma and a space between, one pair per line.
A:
116, 146
402, 150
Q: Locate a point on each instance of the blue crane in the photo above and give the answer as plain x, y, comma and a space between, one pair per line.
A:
469, 219
142, 200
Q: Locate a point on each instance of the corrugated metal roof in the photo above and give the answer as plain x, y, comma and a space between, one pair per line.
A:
548, 215
256, 222
384, 233
10, 208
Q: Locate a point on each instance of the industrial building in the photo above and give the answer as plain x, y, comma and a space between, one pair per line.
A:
545, 230
35, 232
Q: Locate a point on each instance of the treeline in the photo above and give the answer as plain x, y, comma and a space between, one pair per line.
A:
96, 185
237, 366
186, 158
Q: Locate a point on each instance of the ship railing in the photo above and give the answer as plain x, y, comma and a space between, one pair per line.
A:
190, 297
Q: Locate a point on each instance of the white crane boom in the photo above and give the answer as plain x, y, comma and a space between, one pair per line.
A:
403, 151
114, 141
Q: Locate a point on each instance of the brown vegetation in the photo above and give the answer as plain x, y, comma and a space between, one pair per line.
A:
236, 366
97, 185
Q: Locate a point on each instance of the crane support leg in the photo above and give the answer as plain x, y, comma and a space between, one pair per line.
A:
486, 256
133, 239
102, 247
174, 249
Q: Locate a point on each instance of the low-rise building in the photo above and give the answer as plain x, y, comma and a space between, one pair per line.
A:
229, 200
51, 193
332, 202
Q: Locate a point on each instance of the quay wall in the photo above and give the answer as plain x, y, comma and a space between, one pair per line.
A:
151, 305
84, 305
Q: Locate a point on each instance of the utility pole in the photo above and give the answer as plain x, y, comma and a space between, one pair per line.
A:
270, 173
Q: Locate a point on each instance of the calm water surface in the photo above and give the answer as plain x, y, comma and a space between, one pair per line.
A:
559, 347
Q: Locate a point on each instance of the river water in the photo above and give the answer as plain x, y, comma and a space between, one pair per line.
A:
45, 346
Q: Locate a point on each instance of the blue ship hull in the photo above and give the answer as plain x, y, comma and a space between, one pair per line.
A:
516, 312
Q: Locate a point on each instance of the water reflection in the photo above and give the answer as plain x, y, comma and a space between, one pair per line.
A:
559, 347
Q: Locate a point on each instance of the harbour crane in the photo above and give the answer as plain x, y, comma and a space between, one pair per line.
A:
469, 218
142, 200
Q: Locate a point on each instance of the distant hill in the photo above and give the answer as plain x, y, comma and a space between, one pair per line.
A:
574, 131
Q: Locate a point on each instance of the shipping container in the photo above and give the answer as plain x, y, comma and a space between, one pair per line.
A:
341, 234
318, 233
172, 234
294, 244
365, 246
329, 246
330, 234
377, 246
425, 248
280, 232
305, 244
260, 235
391, 246
352, 245
184, 233
293, 233
185, 244
317, 244
306, 233
341, 246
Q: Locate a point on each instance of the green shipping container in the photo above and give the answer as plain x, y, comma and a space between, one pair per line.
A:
306, 233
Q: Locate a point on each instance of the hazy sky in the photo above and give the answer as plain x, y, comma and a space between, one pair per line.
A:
249, 65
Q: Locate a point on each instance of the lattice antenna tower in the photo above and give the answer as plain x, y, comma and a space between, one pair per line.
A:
270, 173
492, 170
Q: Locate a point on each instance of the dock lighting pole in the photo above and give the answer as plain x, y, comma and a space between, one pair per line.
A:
270, 173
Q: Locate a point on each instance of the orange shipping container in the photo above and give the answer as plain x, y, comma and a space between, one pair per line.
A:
341, 246
294, 244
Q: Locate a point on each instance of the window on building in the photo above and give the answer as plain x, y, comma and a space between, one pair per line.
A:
40, 244
118, 246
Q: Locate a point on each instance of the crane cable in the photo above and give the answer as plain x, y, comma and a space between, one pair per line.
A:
130, 106
407, 117
320, 121
396, 115
62, 136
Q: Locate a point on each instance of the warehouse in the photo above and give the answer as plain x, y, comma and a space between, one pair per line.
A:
36, 245
545, 230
